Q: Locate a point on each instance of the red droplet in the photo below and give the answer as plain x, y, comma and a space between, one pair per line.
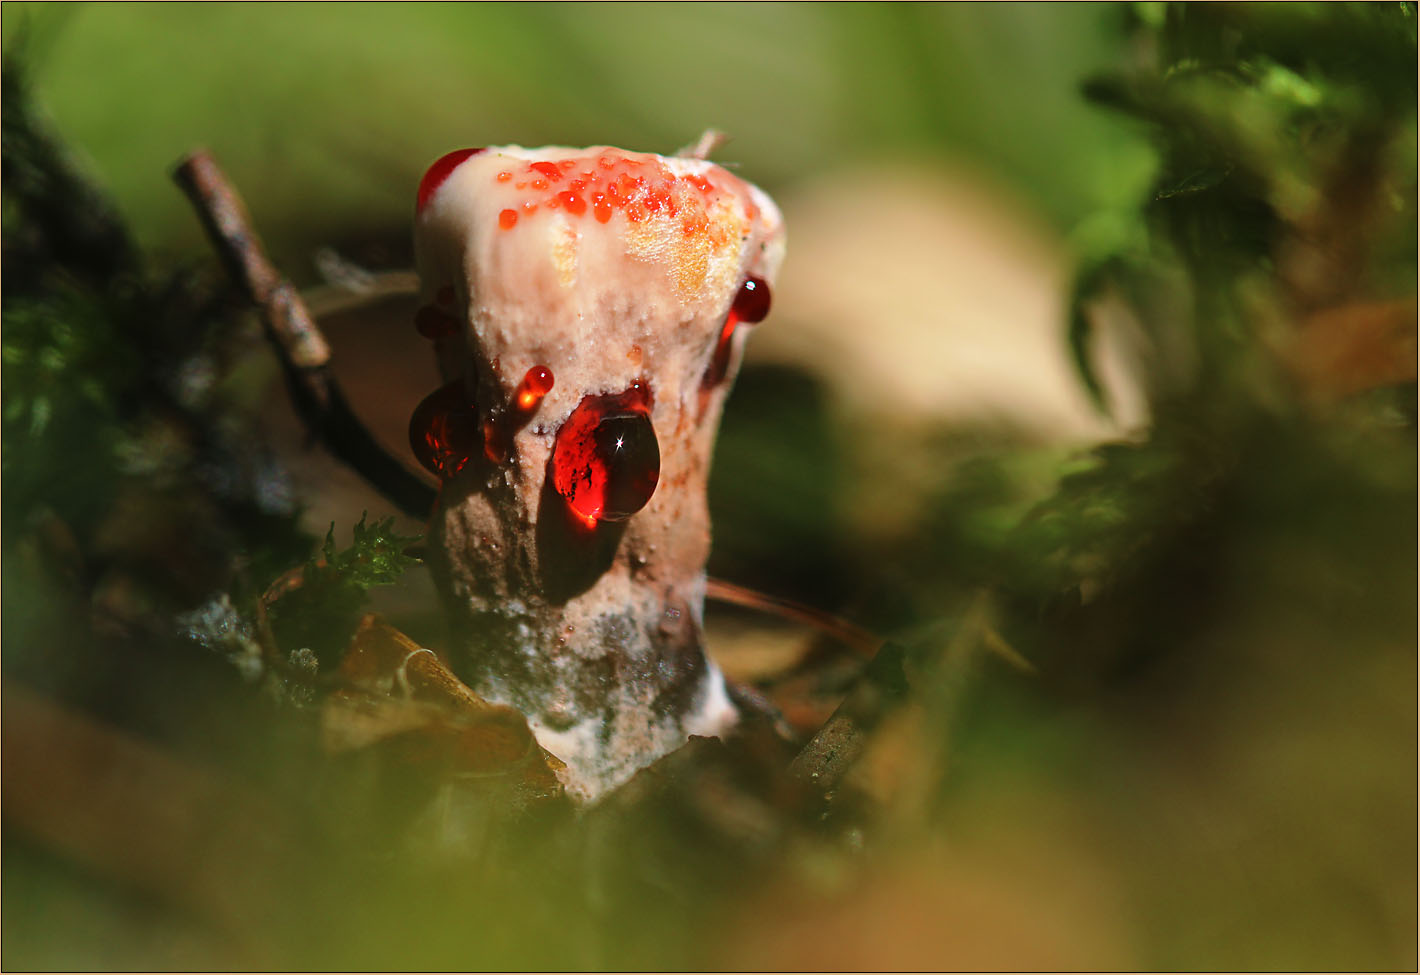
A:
508, 219
504, 176
752, 303
535, 385
434, 323
548, 169
601, 209
435, 175
443, 432
606, 461
575, 204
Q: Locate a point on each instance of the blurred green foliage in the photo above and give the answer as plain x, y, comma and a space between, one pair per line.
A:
322, 613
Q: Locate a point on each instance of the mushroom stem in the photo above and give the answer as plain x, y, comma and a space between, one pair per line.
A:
571, 534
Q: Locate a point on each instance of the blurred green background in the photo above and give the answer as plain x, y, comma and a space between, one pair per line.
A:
1210, 761
326, 116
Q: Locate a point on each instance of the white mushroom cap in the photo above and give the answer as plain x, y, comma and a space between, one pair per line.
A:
576, 258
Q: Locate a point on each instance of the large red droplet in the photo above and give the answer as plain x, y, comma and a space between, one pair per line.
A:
435, 175
606, 461
443, 432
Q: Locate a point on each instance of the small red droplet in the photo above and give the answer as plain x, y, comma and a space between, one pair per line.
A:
752, 303
434, 323
548, 169
535, 385
601, 209
435, 175
504, 176
508, 219
443, 432
606, 461
539, 184
575, 204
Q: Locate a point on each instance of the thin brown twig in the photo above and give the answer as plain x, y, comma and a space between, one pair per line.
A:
703, 147
301, 347
850, 634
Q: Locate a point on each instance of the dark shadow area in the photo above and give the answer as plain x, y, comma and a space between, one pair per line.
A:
775, 487
571, 557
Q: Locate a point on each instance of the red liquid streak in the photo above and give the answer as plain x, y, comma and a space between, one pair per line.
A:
751, 305
435, 175
720, 362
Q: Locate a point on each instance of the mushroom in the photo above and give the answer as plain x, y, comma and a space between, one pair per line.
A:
587, 309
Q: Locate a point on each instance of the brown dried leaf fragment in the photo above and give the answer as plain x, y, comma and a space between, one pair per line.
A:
400, 695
